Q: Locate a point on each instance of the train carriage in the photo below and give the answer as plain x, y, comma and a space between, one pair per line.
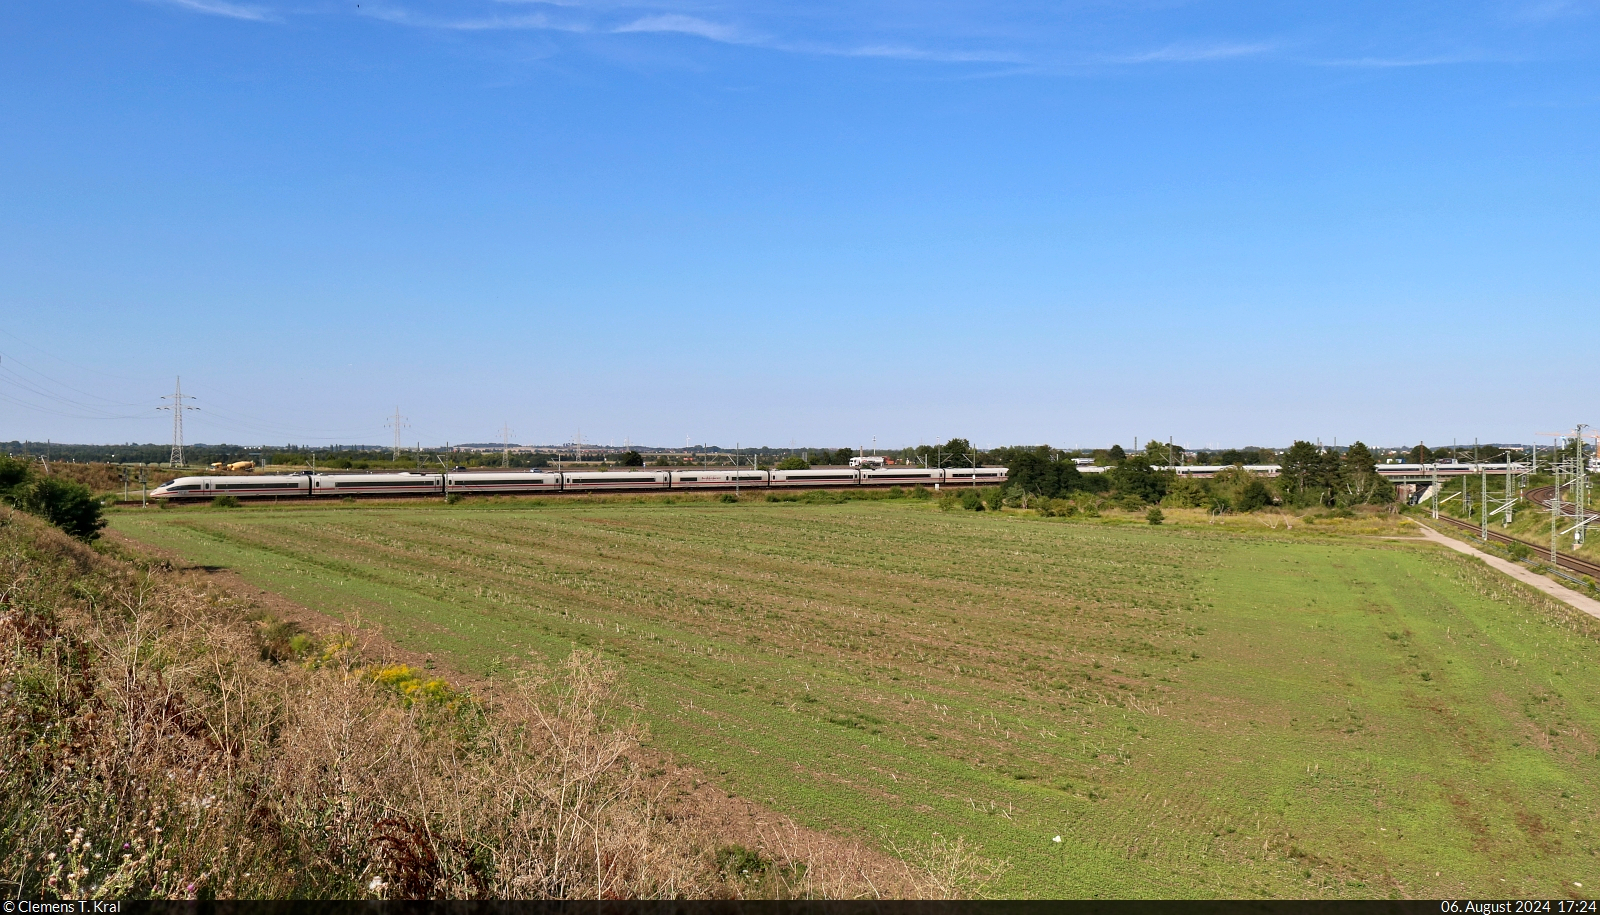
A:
604, 482
466, 484
980, 476
819, 478
718, 479
902, 476
272, 486
376, 484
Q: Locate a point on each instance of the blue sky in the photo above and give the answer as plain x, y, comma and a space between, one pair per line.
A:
1077, 222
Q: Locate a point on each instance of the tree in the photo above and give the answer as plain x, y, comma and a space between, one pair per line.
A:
826, 458
793, 462
957, 452
1235, 456
1300, 472
1135, 477
1237, 489
1116, 455
1421, 454
1162, 454
1040, 473
1358, 459
630, 459
1310, 475
1359, 479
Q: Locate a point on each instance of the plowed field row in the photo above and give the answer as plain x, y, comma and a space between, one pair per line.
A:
1193, 712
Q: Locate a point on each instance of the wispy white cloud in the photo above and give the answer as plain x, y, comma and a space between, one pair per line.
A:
1181, 54
900, 52
1383, 63
525, 22
729, 34
1545, 10
224, 8
591, 17
687, 25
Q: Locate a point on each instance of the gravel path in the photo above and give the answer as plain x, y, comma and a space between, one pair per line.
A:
1561, 593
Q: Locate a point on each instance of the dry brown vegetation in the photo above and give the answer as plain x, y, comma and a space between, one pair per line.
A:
106, 479
160, 738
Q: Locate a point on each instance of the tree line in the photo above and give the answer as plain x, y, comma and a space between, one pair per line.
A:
1310, 476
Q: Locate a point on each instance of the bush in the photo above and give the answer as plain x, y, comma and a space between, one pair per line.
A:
1519, 551
728, 497
69, 506
631, 459
793, 462
225, 501
824, 497
1154, 516
994, 497
13, 473
1253, 496
1058, 508
1186, 493
971, 500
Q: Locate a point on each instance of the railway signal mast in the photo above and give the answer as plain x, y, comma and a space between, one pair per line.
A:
1576, 471
177, 407
1483, 495
1515, 481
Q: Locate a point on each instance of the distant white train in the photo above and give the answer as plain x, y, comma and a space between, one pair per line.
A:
337, 485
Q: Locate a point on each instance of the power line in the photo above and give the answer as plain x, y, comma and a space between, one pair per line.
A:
398, 423
177, 407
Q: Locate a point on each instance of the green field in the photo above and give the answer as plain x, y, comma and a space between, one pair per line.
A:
1194, 711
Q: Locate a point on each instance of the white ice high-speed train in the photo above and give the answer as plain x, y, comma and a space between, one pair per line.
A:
338, 485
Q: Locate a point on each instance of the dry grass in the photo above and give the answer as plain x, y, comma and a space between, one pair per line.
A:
106, 479
155, 740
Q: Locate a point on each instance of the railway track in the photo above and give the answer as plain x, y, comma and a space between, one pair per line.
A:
1564, 561
1541, 496
729, 489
